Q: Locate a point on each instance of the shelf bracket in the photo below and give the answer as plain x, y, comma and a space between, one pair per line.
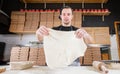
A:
103, 18
45, 5
83, 17
25, 5
83, 4
63, 3
102, 5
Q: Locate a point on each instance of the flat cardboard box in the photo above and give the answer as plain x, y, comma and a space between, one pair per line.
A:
49, 19
56, 20
43, 19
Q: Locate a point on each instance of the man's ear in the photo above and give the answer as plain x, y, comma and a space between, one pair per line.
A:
59, 17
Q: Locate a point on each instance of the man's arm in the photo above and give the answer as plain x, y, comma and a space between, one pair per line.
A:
87, 37
41, 32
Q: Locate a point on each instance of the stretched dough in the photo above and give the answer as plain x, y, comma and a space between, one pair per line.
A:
62, 48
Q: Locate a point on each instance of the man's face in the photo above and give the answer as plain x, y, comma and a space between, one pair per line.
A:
66, 16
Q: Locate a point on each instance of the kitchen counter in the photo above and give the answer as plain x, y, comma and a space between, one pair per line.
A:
66, 70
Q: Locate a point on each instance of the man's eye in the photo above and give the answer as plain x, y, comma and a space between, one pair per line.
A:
63, 14
68, 14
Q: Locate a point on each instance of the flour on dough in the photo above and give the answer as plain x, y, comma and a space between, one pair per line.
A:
62, 48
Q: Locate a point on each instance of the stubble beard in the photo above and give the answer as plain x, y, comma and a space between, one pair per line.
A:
67, 23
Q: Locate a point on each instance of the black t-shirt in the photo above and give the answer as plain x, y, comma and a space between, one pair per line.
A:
64, 28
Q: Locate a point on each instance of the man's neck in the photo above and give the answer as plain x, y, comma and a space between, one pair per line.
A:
66, 25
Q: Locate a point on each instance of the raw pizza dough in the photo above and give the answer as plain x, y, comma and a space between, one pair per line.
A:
21, 65
62, 48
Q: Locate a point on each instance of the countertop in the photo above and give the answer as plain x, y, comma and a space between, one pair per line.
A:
66, 70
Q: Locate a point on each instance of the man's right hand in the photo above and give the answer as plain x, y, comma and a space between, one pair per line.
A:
42, 31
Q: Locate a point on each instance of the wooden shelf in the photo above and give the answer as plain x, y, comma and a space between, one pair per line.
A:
96, 13
64, 1
23, 32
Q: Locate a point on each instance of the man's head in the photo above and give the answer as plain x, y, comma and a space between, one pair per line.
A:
66, 15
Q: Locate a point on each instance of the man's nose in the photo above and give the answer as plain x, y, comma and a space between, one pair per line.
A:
66, 16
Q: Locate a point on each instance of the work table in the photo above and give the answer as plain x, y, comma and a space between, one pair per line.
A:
66, 70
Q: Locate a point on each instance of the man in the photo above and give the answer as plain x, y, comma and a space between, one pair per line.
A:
66, 15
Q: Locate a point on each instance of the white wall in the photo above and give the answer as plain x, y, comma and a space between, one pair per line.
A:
13, 39
114, 50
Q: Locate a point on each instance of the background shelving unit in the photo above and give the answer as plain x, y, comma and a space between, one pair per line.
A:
65, 1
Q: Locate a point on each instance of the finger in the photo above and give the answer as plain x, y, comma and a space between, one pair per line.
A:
76, 32
38, 32
80, 33
44, 31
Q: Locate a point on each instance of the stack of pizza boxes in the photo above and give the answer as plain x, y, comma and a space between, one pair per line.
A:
37, 55
91, 54
28, 54
17, 21
19, 54
32, 21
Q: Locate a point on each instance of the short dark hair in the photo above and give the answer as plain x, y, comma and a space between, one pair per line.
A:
65, 7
